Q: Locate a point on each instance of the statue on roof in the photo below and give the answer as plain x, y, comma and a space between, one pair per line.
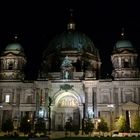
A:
66, 62
66, 67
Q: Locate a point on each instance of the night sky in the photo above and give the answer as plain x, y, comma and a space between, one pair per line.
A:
36, 23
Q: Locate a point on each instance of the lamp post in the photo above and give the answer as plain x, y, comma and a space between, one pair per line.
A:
1, 116
98, 125
83, 119
49, 111
111, 107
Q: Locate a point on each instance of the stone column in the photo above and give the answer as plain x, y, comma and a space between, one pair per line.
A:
14, 96
81, 108
137, 95
119, 95
86, 102
95, 102
119, 61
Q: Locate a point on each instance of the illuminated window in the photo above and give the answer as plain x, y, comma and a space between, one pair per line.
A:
7, 98
41, 113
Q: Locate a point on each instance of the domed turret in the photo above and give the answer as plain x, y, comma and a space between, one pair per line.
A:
123, 44
124, 60
14, 47
12, 62
78, 47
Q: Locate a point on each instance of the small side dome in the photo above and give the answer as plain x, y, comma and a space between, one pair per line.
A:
14, 47
123, 44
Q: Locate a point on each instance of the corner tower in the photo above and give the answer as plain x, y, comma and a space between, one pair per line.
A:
12, 62
124, 60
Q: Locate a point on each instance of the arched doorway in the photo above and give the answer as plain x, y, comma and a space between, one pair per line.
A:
66, 109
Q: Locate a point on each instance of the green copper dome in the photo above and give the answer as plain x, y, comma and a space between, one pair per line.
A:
14, 47
123, 44
72, 40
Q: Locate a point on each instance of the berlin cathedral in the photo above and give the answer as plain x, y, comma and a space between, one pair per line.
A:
69, 86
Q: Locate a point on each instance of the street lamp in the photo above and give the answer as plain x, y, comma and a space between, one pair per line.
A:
49, 111
1, 106
98, 125
83, 119
111, 106
98, 121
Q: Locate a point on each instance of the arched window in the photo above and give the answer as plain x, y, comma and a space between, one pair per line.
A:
10, 66
126, 63
128, 97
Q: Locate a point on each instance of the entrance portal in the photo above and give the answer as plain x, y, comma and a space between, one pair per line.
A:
63, 115
66, 111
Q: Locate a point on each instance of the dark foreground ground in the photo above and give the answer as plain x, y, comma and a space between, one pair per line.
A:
72, 138
101, 138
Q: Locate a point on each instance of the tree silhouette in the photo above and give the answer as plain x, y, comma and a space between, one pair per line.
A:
136, 123
40, 126
25, 125
89, 126
122, 124
68, 127
102, 126
7, 126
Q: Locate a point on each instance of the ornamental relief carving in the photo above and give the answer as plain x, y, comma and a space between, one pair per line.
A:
7, 90
68, 102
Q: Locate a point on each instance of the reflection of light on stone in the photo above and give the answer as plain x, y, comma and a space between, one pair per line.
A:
41, 113
129, 113
110, 105
99, 120
90, 112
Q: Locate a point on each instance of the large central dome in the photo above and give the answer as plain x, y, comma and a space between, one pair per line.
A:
74, 45
71, 40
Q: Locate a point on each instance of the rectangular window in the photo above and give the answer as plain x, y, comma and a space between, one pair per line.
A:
29, 99
105, 99
128, 97
7, 98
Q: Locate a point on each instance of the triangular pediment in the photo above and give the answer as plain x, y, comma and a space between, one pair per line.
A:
130, 106
10, 54
125, 51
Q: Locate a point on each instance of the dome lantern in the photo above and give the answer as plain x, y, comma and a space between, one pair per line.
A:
71, 24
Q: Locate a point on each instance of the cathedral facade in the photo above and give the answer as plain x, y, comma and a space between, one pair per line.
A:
69, 87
